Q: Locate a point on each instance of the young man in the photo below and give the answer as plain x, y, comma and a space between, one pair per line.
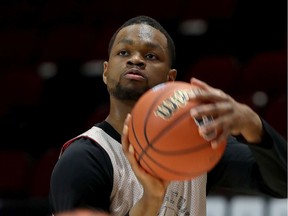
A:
96, 171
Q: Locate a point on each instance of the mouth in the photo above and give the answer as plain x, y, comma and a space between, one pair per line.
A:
134, 74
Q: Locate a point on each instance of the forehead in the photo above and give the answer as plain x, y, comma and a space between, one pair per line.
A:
141, 33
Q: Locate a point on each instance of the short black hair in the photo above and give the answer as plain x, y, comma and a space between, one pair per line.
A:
142, 19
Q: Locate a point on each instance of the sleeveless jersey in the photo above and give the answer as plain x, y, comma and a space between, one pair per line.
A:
182, 198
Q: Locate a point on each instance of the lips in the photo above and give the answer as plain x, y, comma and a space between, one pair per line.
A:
134, 74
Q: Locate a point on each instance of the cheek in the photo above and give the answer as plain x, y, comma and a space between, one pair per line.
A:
157, 79
159, 74
115, 69
113, 73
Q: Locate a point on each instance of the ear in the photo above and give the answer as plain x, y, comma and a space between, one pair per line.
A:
105, 68
171, 76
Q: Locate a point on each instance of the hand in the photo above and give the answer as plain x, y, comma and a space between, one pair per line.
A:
154, 188
83, 212
230, 117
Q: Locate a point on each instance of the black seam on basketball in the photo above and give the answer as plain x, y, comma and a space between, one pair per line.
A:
145, 134
137, 141
171, 171
145, 127
151, 171
167, 169
189, 150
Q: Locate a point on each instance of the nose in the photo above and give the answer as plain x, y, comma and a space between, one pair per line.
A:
137, 60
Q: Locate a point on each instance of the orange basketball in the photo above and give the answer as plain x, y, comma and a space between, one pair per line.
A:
165, 137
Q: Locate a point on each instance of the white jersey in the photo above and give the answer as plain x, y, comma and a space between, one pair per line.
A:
183, 198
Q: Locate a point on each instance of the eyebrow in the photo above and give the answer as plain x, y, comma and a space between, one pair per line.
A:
131, 42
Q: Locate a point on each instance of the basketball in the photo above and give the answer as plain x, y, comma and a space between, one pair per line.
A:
165, 137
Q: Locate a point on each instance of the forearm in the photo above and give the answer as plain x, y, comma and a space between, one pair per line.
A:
253, 128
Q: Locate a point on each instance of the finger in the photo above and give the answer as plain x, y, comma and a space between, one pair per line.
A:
136, 167
130, 155
166, 183
203, 96
199, 83
211, 109
124, 139
209, 134
206, 128
194, 93
125, 131
208, 91
128, 148
220, 139
216, 131
211, 129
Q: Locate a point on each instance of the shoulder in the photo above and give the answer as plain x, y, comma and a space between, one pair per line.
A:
82, 146
83, 169
85, 153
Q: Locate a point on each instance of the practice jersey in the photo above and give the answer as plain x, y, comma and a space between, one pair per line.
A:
179, 199
93, 172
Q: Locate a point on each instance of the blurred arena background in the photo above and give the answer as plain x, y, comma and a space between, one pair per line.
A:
51, 89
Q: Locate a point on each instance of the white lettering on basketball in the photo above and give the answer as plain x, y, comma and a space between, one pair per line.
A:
170, 105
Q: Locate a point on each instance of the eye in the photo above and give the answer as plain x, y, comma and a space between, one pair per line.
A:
151, 56
123, 53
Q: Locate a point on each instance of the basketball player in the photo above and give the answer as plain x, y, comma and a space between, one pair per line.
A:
97, 169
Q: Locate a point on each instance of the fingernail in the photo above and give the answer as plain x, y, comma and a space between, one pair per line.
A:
214, 144
131, 149
125, 129
193, 112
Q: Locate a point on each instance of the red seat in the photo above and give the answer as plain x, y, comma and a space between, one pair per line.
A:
20, 87
207, 9
98, 46
53, 10
217, 71
266, 72
276, 114
15, 167
121, 11
98, 115
66, 42
40, 176
18, 45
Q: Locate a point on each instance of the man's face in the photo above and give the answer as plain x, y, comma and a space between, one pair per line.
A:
139, 60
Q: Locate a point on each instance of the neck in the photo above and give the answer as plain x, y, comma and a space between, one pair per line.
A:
118, 113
